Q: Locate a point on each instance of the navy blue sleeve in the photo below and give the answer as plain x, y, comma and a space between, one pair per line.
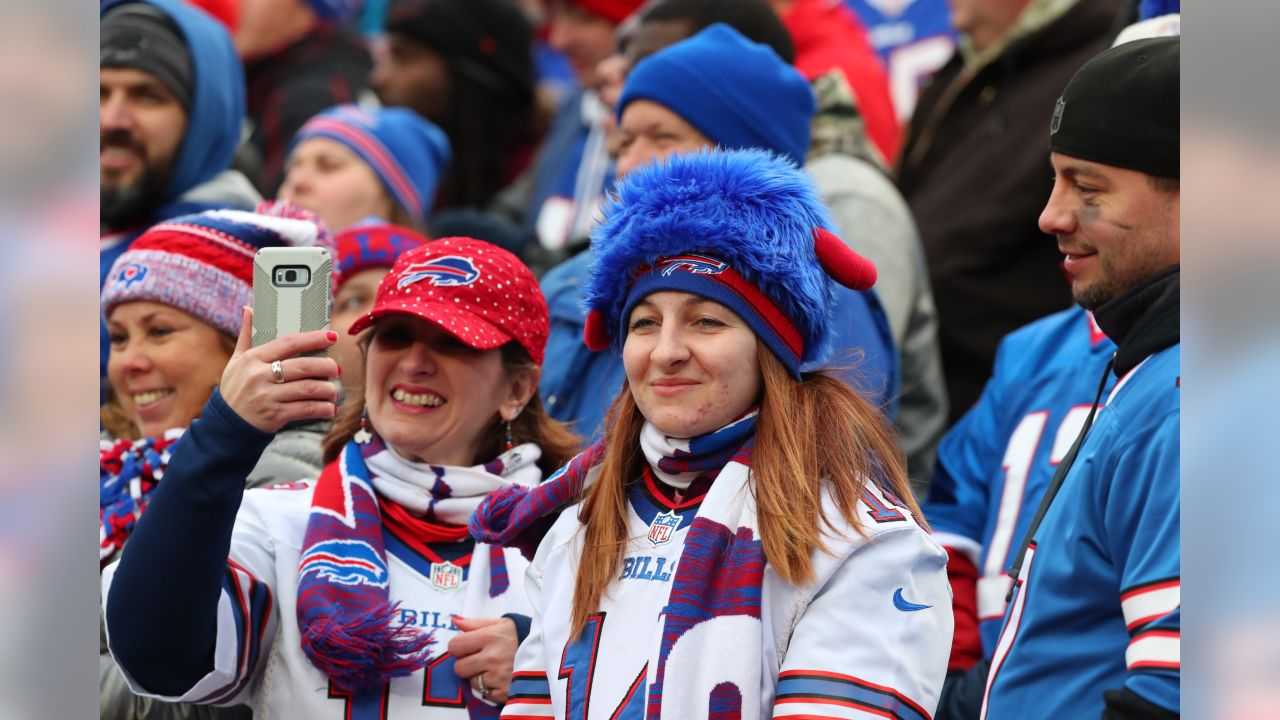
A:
523, 622
162, 606
962, 694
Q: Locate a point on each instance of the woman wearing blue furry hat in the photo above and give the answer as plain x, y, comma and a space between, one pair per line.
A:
742, 539
715, 89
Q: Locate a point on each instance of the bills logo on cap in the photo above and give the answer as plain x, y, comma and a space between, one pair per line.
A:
131, 273
349, 562
663, 528
1056, 122
696, 264
448, 271
445, 576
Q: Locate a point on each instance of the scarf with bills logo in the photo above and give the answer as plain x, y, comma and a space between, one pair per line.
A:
718, 577
128, 471
345, 614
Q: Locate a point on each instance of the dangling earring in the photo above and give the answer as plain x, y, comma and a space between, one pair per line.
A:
363, 436
510, 441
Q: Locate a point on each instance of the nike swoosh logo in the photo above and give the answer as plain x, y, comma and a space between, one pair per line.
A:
905, 605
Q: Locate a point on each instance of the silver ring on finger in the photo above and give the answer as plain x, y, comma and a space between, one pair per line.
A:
484, 691
277, 371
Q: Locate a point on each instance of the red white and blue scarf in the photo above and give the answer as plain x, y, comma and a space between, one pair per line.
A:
128, 472
721, 568
345, 614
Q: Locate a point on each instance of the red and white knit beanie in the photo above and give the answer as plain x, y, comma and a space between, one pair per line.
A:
202, 264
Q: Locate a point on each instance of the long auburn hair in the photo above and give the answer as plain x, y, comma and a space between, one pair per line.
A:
817, 430
558, 444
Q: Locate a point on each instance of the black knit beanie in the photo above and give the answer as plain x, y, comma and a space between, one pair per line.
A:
1121, 109
143, 37
488, 41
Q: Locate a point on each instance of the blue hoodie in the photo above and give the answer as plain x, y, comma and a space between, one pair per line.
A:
213, 129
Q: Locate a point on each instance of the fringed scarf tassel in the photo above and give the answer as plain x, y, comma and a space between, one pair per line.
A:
365, 649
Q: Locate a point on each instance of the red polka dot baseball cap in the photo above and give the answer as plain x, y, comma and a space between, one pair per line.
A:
475, 291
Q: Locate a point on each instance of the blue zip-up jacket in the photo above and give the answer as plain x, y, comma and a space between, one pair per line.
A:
213, 131
578, 385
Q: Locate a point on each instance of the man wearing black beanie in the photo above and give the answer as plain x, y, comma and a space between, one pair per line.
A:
142, 55
1093, 623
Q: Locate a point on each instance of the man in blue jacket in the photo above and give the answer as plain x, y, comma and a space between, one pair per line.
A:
171, 105
1093, 625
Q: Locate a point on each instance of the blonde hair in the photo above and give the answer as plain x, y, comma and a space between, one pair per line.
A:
817, 430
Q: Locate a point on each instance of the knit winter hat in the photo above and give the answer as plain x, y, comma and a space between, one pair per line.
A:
744, 228
477, 292
201, 264
1121, 109
372, 243
614, 11
142, 37
738, 93
406, 151
488, 41
336, 11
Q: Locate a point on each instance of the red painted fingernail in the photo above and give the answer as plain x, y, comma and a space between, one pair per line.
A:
333, 336
335, 409
339, 371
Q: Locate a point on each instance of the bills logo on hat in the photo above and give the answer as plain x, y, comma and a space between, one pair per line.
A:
131, 274
448, 271
1056, 122
696, 264
349, 562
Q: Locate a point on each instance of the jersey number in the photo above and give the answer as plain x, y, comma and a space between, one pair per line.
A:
577, 668
1019, 454
441, 687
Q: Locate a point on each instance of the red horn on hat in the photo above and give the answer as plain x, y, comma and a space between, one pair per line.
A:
595, 334
843, 264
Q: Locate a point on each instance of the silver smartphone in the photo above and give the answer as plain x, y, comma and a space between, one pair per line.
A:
291, 292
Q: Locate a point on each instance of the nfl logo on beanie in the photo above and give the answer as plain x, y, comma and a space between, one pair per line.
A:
1121, 109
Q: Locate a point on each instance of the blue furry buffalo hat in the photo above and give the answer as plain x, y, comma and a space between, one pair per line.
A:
744, 228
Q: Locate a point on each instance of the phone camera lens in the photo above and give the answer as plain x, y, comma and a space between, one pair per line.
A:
291, 276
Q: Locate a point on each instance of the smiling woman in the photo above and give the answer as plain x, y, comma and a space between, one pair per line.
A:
743, 529
164, 362
170, 343
363, 580
173, 306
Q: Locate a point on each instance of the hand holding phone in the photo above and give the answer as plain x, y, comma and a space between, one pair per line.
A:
291, 292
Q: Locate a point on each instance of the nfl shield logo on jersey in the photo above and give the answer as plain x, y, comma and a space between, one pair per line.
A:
445, 576
663, 527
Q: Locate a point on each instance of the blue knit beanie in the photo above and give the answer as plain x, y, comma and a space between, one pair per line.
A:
744, 228
406, 151
738, 93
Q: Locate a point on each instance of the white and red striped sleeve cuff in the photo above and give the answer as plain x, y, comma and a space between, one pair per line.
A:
1152, 644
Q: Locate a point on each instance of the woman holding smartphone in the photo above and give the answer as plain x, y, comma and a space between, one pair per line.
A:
172, 304
359, 594
745, 544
